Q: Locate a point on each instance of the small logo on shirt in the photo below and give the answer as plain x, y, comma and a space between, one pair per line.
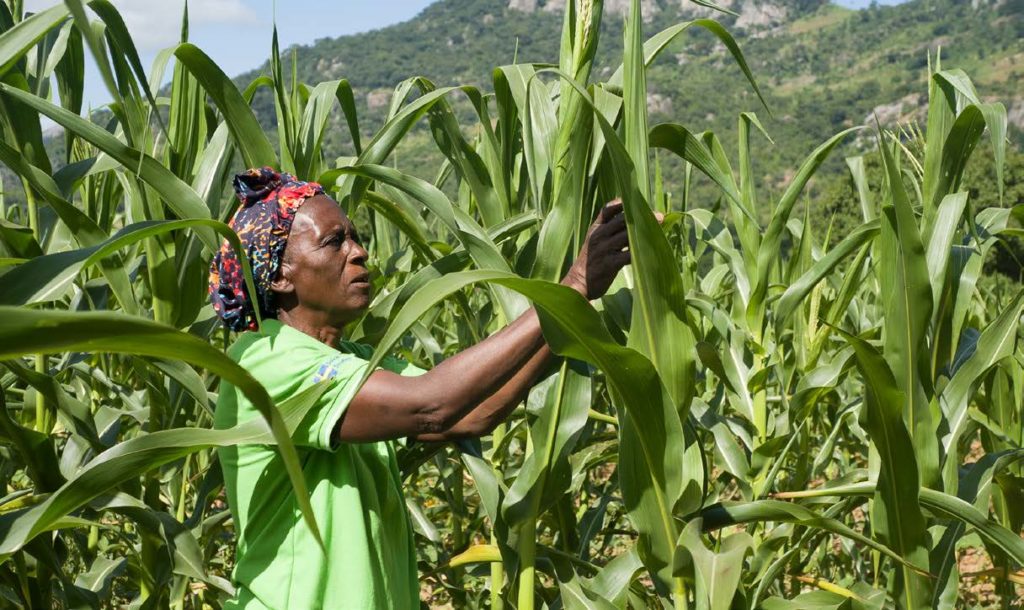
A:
329, 369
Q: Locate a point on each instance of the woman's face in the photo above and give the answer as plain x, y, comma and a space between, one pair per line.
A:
324, 266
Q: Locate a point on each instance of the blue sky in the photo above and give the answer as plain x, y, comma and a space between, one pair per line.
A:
236, 33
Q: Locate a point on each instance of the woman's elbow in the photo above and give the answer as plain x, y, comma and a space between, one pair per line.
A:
439, 416
473, 427
460, 427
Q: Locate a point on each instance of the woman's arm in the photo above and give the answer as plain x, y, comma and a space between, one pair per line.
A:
472, 391
496, 408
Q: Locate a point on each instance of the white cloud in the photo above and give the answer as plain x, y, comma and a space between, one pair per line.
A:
157, 24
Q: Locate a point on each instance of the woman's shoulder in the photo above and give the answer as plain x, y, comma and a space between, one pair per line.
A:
362, 350
279, 343
389, 362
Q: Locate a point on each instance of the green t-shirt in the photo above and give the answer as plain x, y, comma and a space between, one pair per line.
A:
355, 488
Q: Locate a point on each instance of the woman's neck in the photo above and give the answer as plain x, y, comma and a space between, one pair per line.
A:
311, 324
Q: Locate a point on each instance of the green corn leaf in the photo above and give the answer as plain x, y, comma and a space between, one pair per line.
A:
538, 119
718, 516
798, 290
99, 578
996, 342
19, 239
25, 331
859, 176
117, 32
310, 136
939, 238
23, 124
466, 163
661, 310
943, 505
941, 111
896, 509
245, 130
83, 229
571, 148
36, 449
996, 122
396, 128
717, 572
181, 544
177, 194
44, 278
348, 107
767, 253
404, 222
748, 228
657, 43
907, 300
18, 40
545, 474
213, 171
955, 87
680, 141
634, 99
963, 137
612, 582
76, 415
576, 596
70, 73
967, 264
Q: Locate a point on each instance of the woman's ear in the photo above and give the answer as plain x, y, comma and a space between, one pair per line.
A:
283, 282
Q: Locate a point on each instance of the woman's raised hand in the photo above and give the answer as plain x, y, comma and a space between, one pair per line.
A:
604, 253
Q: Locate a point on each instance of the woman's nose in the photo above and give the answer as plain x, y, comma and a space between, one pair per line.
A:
357, 254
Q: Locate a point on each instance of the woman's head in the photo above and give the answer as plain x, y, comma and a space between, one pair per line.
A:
324, 268
303, 250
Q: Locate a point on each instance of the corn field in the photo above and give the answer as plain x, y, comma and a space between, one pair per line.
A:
757, 415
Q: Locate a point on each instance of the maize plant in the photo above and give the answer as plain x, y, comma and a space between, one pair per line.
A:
757, 415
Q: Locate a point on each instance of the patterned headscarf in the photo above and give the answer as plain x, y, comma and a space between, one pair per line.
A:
269, 202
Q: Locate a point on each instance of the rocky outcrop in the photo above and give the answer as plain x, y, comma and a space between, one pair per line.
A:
761, 15
329, 68
1015, 113
378, 98
903, 110
659, 104
753, 14
611, 7
527, 6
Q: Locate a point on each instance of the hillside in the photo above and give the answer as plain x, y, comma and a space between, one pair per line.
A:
822, 67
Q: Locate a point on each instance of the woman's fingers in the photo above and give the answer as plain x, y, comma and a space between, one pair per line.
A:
620, 259
615, 224
617, 241
609, 231
610, 210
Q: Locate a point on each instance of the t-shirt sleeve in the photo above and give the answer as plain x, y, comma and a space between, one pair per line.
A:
344, 371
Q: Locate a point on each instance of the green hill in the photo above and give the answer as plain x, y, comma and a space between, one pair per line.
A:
822, 67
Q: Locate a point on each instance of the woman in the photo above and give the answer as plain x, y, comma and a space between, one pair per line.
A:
311, 281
